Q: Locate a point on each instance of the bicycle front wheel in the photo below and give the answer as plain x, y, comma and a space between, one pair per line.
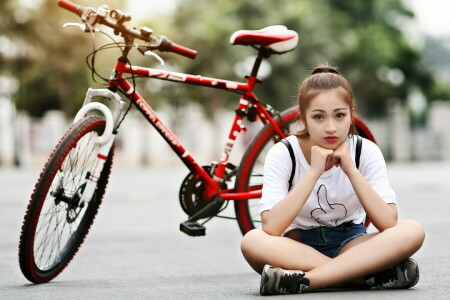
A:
57, 221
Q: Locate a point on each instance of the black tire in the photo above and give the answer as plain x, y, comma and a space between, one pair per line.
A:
250, 173
55, 223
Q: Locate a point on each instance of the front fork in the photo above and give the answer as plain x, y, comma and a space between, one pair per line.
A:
106, 140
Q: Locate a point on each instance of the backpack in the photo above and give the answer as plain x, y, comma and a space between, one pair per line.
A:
291, 154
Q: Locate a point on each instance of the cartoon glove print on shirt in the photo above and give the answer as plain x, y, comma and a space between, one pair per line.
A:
336, 210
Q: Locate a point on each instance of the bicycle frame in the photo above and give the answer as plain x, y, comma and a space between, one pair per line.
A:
212, 184
70, 189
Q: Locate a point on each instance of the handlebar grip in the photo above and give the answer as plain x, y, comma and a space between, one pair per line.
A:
69, 6
178, 49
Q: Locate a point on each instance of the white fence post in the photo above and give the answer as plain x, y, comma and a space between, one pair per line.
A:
439, 124
7, 112
400, 138
22, 139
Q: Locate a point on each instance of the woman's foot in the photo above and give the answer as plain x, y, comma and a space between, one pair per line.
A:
275, 281
401, 276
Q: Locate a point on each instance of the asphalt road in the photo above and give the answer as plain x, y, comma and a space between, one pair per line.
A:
135, 250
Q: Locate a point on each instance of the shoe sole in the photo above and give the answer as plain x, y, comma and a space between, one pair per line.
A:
265, 278
412, 265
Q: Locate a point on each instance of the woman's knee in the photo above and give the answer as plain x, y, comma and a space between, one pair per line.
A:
250, 240
251, 246
413, 234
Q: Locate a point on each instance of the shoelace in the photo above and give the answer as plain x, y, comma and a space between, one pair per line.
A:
386, 276
290, 282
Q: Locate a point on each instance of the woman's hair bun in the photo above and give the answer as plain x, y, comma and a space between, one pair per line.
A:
325, 69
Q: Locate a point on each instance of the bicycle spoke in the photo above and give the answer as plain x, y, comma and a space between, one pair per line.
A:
54, 232
47, 238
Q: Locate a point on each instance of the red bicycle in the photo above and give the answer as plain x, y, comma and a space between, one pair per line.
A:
69, 190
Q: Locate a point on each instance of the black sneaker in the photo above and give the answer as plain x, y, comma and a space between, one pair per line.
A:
401, 276
275, 281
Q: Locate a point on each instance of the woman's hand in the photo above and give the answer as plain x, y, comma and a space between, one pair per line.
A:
342, 158
321, 159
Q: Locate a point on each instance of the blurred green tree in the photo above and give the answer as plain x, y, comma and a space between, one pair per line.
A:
47, 60
362, 38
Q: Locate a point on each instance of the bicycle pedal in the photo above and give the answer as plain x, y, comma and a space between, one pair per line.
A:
193, 228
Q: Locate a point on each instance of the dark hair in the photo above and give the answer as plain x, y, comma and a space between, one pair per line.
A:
324, 78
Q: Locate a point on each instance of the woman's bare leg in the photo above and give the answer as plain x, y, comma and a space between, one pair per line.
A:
363, 256
369, 254
260, 249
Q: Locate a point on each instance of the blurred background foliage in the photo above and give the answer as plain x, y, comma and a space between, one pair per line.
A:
364, 39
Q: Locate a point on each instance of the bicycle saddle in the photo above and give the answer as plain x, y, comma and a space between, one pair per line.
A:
277, 38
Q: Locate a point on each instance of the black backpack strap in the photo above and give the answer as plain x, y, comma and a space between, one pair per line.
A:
358, 150
291, 153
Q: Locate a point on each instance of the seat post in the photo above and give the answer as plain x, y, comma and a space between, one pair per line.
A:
263, 52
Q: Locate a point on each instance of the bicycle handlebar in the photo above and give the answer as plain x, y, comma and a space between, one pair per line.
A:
69, 6
158, 43
181, 50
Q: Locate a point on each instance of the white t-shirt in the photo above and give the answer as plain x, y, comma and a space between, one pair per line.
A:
333, 200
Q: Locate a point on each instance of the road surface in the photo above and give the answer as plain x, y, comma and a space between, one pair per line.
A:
135, 250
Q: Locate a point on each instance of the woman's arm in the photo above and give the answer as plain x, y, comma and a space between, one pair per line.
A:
276, 220
381, 214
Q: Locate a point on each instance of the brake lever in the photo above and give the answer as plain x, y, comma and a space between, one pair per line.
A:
81, 26
158, 58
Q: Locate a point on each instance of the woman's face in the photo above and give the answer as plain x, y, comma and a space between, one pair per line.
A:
328, 119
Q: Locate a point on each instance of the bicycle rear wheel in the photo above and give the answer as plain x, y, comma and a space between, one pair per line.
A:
56, 222
250, 174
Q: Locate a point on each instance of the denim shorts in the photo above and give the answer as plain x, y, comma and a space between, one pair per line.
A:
328, 240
